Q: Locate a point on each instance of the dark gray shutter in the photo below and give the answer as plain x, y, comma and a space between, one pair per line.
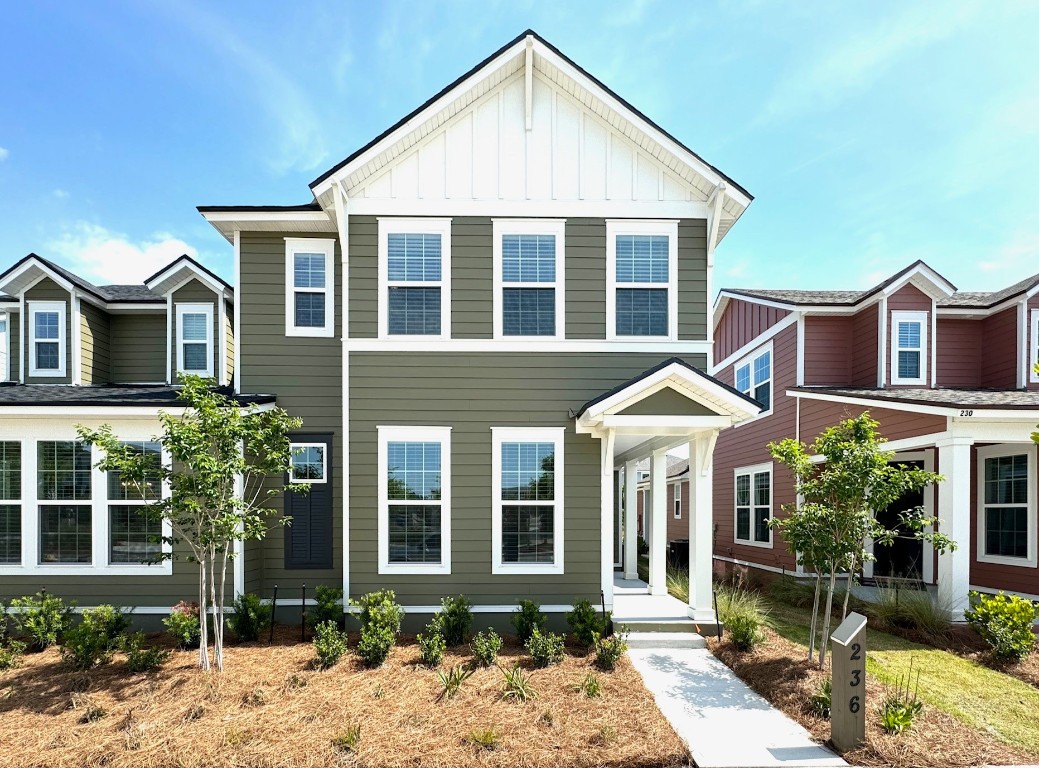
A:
308, 540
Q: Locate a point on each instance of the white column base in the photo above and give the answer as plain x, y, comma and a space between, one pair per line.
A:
703, 615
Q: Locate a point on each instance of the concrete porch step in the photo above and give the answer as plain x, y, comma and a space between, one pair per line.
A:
656, 624
652, 640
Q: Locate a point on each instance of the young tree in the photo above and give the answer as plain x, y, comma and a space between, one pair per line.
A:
840, 496
223, 461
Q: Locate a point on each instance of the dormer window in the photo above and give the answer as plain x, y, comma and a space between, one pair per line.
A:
195, 339
908, 347
46, 338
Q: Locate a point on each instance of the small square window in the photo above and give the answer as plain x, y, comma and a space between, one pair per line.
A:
308, 463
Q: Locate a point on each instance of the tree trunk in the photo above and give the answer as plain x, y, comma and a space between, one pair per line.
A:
847, 589
221, 595
815, 614
826, 617
217, 620
203, 618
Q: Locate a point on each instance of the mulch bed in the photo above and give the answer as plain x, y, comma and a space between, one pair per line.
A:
270, 708
778, 670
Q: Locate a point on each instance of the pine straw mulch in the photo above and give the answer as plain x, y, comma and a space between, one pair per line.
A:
778, 670
270, 708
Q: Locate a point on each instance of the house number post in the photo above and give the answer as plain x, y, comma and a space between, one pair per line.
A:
848, 683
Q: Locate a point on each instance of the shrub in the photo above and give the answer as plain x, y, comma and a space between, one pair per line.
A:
743, 613
822, 699
329, 607
183, 625
251, 616
516, 684
451, 681
587, 624
485, 647
608, 651
1005, 623
744, 631
348, 740
329, 644
11, 655
96, 638
902, 609
590, 686
528, 618
484, 738
545, 648
379, 609
431, 644
375, 644
43, 617
457, 613
140, 659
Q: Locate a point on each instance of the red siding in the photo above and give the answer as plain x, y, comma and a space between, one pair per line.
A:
747, 445
959, 353
827, 353
817, 415
678, 529
743, 321
999, 363
864, 347
908, 298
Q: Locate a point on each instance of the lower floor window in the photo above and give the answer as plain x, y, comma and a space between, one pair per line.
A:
1006, 506
754, 505
10, 534
135, 536
65, 533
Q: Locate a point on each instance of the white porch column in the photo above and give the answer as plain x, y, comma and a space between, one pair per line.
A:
954, 502
701, 528
607, 519
631, 526
658, 524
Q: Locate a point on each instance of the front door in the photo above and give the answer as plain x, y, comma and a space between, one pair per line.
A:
903, 559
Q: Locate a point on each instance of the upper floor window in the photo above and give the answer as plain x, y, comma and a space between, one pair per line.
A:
528, 274
754, 505
642, 279
195, 339
46, 338
753, 376
415, 277
908, 347
309, 286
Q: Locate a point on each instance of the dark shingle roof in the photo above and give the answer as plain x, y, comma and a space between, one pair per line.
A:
111, 395
675, 466
802, 297
129, 293
1010, 399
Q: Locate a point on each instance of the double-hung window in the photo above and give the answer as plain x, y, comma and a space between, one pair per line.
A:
414, 500
642, 279
1007, 500
529, 278
754, 505
134, 531
415, 278
527, 516
677, 489
63, 479
753, 377
908, 347
309, 287
195, 339
10, 503
47, 338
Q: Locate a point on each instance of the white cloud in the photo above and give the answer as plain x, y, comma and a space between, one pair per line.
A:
106, 257
61, 194
1015, 259
3, 154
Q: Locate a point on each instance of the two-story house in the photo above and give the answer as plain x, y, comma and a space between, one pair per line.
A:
947, 373
485, 317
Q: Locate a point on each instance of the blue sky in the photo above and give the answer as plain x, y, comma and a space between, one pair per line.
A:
870, 133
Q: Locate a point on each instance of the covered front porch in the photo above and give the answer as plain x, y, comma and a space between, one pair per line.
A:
671, 405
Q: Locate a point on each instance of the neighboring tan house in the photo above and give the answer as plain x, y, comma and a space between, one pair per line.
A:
484, 317
947, 373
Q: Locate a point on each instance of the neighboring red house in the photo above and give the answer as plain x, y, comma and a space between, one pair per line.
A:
947, 373
677, 497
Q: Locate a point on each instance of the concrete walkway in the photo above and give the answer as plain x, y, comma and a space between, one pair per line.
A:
724, 723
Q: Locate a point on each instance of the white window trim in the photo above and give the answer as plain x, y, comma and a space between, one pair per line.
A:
48, 306
752, 470
615, 227
676, 506
294, 245
749, 359
555, 227
909, 317
442, 227
395, 434
195, 309
554, 435
995, 451
1033, 357
165, 566
294, 447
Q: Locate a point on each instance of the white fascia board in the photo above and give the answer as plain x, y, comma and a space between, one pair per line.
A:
933, 284
175, 275
34, 264
891, 405
272, 216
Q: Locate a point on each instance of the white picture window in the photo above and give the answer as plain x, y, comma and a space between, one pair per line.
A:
195, 339
414, 500
415, 278
47, 338
1007, 505
309, 287
529, 285
642, 279
527, 500
308, 463
908, 347
753, 505
753, 377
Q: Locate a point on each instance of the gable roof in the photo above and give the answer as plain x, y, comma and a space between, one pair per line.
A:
162, 280
989, 299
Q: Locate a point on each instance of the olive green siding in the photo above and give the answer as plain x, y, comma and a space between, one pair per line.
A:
138, 348
364, 277
305, 373
95, 349
667, 402
472, 278
195, 292
14, 340
472, 393
692, 279
48, 290
585, 278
